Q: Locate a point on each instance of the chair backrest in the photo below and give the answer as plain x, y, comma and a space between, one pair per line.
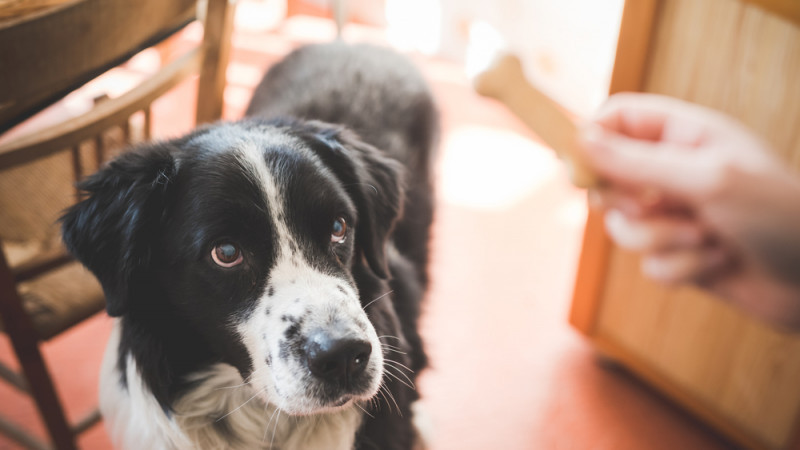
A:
48, 54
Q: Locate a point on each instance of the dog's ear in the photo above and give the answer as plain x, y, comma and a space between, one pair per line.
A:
111, 231
373, 181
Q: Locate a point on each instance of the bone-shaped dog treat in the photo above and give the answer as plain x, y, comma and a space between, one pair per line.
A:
505, 81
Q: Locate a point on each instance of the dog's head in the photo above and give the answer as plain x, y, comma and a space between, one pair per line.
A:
237, 243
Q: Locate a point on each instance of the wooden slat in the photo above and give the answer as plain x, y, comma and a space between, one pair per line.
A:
636, 29
633, 46
590, 278
104, 115
16, 434
77, 168
148, 122
99, 150
14, 378
41, 263
126, 130
217, 33
87, 421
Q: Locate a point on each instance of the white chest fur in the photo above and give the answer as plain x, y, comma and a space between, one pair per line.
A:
220, 412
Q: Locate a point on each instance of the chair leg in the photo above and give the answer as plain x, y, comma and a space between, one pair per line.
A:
217, 45
47, 401
20, 330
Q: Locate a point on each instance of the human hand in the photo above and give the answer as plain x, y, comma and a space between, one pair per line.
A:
702, 198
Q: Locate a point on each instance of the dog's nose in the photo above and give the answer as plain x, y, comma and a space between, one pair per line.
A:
337, 359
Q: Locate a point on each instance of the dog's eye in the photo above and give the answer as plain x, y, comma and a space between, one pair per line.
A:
226, 255
339, 230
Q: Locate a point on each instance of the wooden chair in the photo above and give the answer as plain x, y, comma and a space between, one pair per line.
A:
45, 55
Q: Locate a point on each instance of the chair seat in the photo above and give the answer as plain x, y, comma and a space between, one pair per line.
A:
61, 298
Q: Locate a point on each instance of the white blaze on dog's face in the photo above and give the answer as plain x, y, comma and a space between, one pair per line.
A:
311, 345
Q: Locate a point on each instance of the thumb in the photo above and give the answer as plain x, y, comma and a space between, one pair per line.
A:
672, 168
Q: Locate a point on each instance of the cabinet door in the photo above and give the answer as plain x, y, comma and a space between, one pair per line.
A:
741, 58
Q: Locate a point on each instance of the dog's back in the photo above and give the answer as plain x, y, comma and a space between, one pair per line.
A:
372, 90
378, 94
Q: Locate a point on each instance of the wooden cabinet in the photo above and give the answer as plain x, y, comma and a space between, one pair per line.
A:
742, 377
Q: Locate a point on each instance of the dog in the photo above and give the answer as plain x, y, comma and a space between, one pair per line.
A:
265, 275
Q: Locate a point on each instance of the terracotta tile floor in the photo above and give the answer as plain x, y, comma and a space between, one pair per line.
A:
507, 371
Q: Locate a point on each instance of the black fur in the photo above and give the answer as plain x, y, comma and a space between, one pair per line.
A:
333, 83
368, 126
380, 96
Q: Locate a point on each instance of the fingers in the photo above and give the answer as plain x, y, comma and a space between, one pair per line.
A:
654, 140
653, 234
658, 118
674, 250
685, 265
629, 115
677, 170
607, 199
637, 202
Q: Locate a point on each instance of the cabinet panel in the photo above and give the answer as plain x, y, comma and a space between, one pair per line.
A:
735, 372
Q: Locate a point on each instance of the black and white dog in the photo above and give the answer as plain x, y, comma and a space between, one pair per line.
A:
266, 275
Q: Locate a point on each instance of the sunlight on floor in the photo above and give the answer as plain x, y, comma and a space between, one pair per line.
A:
493, 168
